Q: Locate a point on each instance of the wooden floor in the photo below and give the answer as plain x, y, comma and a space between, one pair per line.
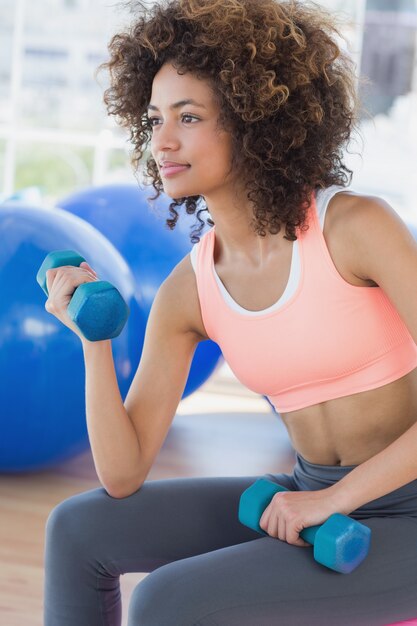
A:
221, 430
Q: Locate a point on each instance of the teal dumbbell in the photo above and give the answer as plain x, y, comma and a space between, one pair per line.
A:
96, 308
341, 543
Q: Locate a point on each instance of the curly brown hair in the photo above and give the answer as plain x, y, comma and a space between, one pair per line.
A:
286, 92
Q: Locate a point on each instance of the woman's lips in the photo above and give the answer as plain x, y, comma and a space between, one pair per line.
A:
169, 170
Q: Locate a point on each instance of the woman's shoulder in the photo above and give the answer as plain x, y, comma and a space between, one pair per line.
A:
344, 229
352, 209
365, 232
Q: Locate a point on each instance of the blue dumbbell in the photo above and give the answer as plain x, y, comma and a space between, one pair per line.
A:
341, 543
96, 308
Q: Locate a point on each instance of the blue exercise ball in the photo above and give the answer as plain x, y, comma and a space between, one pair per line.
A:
122, 213
42, 374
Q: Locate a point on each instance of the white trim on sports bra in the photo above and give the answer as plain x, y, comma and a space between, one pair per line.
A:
323, 197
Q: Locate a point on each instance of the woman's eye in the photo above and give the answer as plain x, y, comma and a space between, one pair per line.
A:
152, 119
189, 117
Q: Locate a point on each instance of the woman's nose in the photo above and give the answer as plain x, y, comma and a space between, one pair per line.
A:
164, 137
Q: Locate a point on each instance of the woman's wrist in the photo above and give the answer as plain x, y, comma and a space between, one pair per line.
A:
340, 497
89, 346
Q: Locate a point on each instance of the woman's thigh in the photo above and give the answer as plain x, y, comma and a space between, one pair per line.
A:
165, 520
269, 582
92, 538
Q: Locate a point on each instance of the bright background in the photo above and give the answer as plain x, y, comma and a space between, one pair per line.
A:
55, 134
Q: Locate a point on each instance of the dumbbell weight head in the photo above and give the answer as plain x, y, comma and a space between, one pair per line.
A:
96, 308
341, 543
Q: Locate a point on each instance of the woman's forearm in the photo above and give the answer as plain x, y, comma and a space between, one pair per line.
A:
384, 472
113, 439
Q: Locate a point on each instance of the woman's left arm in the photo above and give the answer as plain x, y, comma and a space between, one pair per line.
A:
385, 251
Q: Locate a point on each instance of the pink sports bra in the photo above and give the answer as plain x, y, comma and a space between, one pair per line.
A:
323, 339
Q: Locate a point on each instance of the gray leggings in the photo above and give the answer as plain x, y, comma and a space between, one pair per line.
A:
207, 569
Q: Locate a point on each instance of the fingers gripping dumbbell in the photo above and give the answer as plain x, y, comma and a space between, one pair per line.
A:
341, 543
97, 308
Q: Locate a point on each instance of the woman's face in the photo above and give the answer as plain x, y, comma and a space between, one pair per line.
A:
187, 134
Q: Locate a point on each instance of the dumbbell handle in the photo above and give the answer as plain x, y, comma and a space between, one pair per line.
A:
308, 534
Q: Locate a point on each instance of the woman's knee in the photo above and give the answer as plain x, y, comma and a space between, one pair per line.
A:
73, 519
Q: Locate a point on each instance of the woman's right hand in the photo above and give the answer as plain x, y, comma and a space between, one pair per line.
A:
61, 283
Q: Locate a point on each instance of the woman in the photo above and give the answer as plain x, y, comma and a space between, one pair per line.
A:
309, 289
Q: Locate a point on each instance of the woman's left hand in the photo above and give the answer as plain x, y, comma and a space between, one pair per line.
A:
289, 512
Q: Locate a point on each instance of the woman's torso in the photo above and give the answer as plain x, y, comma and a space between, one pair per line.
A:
342, 431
